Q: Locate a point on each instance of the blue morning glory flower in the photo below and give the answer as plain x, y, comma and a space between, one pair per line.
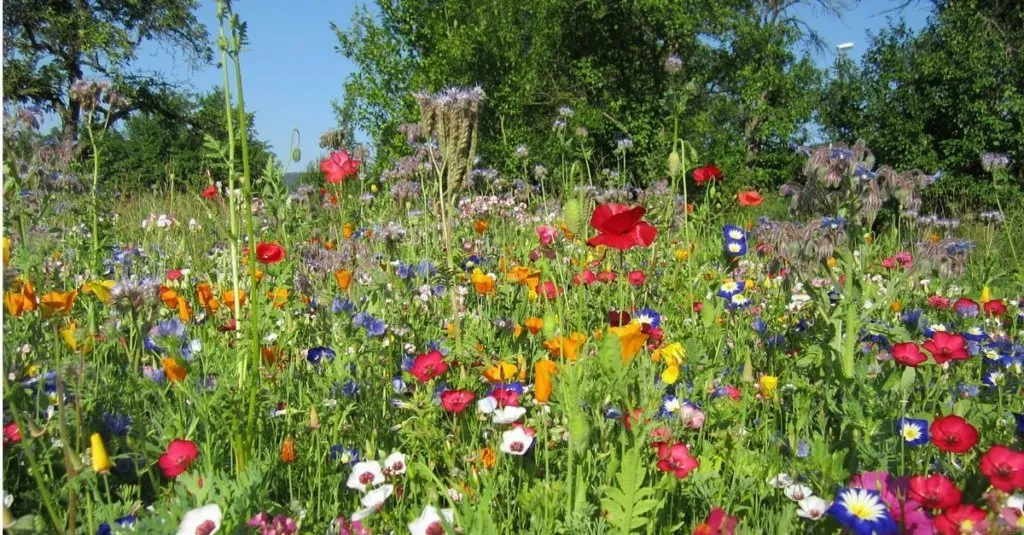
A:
647, 316
316, 354
914, 432
344, 455
863, 512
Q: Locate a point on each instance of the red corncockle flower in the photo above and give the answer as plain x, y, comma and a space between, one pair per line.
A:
676, 459
12, 435
907, 354
456, 400
706, 173
964, 518
1004, 468
621, 227
749, 198
953, 434
934, 492
179, 456
994, 308
938, 301
429, 366
636, 277
210, 192
718, 523
339, 166
269, 253
944, 347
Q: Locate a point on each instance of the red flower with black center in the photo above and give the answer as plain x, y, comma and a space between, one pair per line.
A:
945, 347
934, 492
621, 227
908, 354
953, 434
706, 173
1004, 468
269, 253
179, 456
456, 400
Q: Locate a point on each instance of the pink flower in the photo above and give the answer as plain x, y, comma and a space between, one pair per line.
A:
691, 416
429, 366
606, 276
889, 263
636, 277
908, 354
938, 301
549, 290
339, 166
546, 234
12, 435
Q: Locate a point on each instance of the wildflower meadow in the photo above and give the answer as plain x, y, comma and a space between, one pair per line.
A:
570, 345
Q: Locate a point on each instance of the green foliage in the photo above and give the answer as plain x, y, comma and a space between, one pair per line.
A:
629, 503
939, 99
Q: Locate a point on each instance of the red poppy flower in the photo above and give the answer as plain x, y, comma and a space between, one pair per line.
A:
676, 459
339, 166
995, 308
718, 523
549, 290
636, 277
210, 192
621, 227
606, 276
1004, 468
953, 434
456, 400
179, 456
938, 301
964, 518
749, 198
269, 253
934, 492
586, 278
706, 173
429, 366
908, 354
944, 347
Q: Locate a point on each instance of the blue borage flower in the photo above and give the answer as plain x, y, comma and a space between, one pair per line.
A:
647, 316
914, 432
670, 405
911, 317
117, 424
730, 288
863, 512
316, 355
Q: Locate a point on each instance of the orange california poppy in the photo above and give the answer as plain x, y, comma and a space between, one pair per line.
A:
228, 298
278, 297
480, 226
175, 372
534, 324
169, 297
501, 372
206, 298
566, 347
343, 278
15, 303
483, 282
543, 370
58, 303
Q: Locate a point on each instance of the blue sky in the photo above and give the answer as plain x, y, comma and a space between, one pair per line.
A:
293, 72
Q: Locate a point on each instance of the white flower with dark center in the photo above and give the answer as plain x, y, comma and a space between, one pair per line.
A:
516, 441
780, 481
365, 474
797, 492
508, 415
372, 502
394, 464
432, 521
813, 507
205, 520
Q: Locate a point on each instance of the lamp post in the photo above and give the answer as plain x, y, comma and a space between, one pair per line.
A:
841, 49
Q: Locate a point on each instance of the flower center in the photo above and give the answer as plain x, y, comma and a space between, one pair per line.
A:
206, 528
862, 511
435, 529
366, 478
517, 447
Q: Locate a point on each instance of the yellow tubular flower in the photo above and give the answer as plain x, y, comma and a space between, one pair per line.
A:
100, 460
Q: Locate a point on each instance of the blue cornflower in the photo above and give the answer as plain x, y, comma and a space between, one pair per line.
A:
863, 512
803, 449
316, 354
914, 432
403, 270
911, 317
117, 425
344, 455
426, 269
759, 325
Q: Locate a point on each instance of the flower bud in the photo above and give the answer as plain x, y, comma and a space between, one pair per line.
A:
673, 164
296, 154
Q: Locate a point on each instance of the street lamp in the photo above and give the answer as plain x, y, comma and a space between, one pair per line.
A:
844, 46
841, 49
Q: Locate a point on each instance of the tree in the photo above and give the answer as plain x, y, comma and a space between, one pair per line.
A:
605, 59
940, 98
49, 44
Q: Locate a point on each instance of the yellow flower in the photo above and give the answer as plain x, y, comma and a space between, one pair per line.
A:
228, 298
100, 460
343, 278
681, 254
75, 339
672, 354
631, 339
525, 276
347, 230
986, 295
670, 375
501, 372
278, 297
831, 262
896, 306
7, 251
101, 289
768, 385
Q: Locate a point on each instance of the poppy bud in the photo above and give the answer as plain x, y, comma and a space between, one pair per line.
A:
573, 214
673, 164
296, 155
314, 418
